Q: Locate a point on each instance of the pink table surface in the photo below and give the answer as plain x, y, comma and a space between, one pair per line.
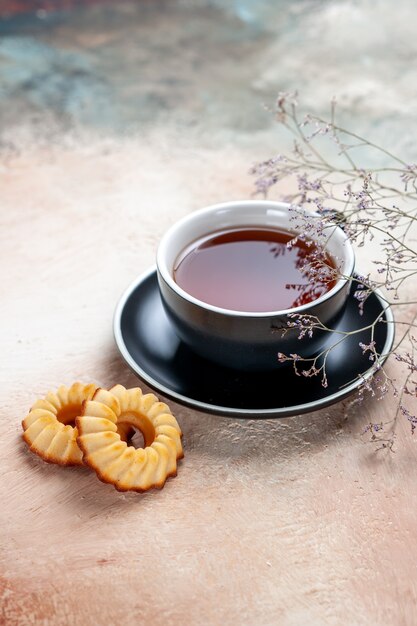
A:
295, 521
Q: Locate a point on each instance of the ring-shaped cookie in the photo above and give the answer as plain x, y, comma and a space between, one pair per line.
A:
49, 428
124, 466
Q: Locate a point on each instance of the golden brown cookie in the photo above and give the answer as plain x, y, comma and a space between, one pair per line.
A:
126, 467
49, 428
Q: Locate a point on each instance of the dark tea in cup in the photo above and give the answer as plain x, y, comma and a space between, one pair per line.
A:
230, 274
255, 270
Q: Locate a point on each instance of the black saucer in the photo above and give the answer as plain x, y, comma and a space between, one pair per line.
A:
151, 348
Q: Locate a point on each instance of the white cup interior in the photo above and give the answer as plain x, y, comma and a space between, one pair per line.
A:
247, 213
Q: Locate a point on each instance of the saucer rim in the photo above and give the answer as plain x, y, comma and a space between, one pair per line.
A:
282, 412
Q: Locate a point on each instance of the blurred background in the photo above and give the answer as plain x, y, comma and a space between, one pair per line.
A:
204, 70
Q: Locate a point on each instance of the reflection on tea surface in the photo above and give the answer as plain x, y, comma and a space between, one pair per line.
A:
254, 270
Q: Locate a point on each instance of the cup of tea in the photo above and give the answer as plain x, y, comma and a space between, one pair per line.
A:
230, 274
